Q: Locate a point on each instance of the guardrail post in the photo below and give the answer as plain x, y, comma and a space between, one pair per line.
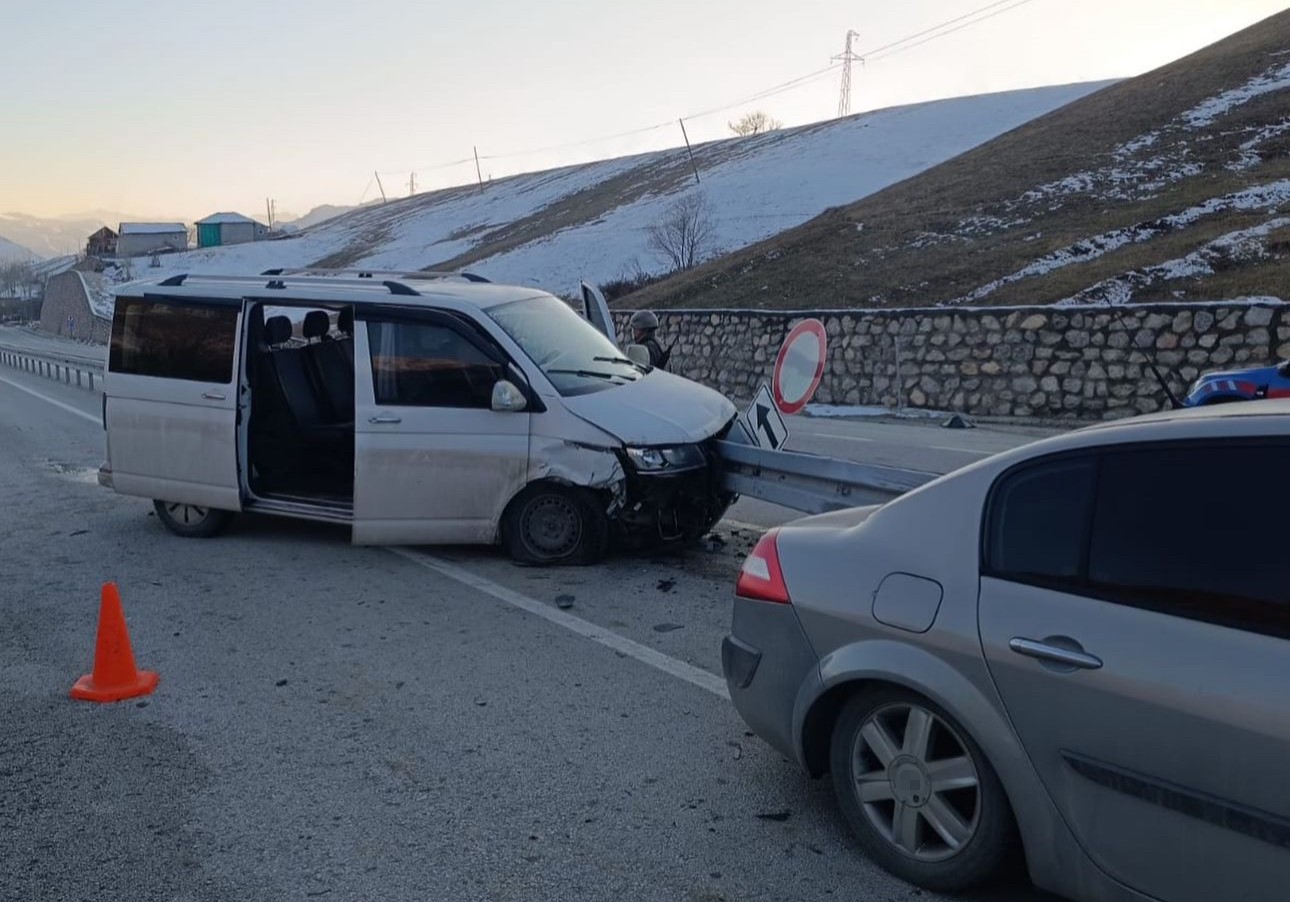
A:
91, 375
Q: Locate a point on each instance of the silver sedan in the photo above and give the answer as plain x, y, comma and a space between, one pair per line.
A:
1077, 651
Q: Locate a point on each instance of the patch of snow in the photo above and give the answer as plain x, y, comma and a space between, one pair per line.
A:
848, 411
1204, 113
1242, 244
1258, 197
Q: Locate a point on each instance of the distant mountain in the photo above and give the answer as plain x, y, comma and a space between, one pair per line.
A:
11, 252
554, 228
55, 236
313, 217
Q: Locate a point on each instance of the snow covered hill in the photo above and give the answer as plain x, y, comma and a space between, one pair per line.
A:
555, 228
1174, 185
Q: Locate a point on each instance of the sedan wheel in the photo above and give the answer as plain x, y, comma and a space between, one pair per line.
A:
918, 792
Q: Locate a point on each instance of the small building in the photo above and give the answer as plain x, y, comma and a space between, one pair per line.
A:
135, 239
101, 244
229, 228
78, 305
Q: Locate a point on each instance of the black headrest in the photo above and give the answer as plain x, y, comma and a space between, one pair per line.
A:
346, 321
317, 324
277, 329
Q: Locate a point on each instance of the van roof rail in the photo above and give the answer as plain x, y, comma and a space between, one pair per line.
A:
279, 279
416, 274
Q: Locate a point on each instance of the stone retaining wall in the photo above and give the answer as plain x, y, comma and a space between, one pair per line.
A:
1071, 362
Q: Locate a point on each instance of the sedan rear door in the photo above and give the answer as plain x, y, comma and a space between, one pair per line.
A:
1135, 616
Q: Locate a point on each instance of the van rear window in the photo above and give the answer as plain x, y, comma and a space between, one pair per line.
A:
173, 340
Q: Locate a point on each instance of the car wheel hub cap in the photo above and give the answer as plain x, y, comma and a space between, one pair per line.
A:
909, 781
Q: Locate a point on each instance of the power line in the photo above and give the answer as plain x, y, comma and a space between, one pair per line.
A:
941, 34
937, 27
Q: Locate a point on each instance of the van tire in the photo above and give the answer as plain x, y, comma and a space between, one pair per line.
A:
550, 524
190, 520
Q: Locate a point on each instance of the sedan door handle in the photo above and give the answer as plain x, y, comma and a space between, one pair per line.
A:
213, 395
1045, 651
385, 419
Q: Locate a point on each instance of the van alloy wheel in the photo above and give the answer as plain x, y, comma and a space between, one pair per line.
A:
190, 520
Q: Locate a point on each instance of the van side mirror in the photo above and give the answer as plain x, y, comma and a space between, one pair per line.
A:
638, 354
507, 398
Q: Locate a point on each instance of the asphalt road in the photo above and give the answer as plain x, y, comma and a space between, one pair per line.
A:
358, 723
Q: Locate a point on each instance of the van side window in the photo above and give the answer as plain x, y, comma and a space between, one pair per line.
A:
173, 340
418, 364
1038, 522
1194, 531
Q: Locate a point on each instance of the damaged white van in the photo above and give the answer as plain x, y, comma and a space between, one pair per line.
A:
419, 408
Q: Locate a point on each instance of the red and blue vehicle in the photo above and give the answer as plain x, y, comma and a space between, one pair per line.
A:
1240, 385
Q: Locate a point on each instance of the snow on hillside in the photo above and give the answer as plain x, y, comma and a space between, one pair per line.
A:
555, 228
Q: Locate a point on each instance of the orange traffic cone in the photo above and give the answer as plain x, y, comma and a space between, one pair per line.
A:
115, 676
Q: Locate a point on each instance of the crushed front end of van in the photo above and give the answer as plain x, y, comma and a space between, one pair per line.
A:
670, 494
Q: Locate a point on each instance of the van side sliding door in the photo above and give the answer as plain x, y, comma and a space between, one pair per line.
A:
171, 399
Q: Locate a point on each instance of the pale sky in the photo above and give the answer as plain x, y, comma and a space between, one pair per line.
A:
184, 109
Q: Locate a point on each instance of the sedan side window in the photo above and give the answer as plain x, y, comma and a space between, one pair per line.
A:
1194, 531
420, 364
1038, 522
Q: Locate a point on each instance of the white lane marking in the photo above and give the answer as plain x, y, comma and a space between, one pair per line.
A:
695, 676
962, 450
67, 407
834, 435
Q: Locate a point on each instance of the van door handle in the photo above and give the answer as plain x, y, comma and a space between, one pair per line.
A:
213, 395
385, 419
1057, 654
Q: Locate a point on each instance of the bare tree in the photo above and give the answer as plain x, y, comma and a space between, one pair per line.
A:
755, 123
686, 234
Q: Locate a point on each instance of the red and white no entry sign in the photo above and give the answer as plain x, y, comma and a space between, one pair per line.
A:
799, 366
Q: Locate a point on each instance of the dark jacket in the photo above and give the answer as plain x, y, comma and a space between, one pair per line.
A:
657, 356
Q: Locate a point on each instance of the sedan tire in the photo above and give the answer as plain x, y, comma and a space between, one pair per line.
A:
918, 792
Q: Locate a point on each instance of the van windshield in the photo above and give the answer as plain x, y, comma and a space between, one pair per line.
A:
576, 357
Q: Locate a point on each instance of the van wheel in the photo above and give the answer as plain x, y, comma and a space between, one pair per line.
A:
191, 521
918, 792
554, 524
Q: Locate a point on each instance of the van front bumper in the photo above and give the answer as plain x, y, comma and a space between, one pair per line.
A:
670, 507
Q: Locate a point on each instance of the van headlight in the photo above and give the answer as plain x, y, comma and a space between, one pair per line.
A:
677, 457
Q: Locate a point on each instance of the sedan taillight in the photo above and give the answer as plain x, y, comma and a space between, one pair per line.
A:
761, 578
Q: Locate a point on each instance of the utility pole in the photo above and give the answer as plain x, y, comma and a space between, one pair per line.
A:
384, 199
412, 184
478, 172
847, 58
690, 151
268, 210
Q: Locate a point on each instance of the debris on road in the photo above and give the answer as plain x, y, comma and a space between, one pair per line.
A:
667, 627
714, 543
778, 816
564, 602
666, 585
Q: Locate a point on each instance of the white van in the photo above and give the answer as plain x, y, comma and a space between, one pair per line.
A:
419, 408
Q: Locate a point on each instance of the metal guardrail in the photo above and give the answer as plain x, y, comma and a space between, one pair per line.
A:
811, 483
79, 371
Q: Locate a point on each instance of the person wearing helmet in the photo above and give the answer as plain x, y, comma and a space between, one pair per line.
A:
644, 325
